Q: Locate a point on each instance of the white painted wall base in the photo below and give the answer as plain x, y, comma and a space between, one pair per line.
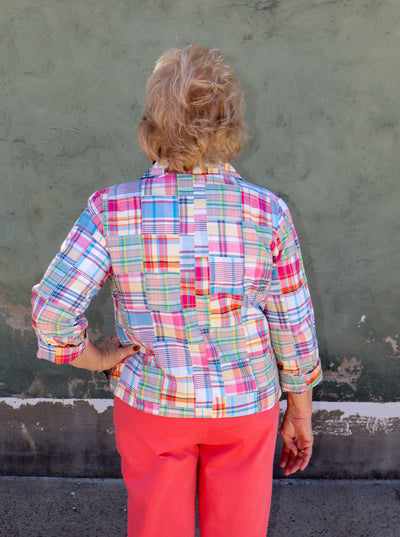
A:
379, 411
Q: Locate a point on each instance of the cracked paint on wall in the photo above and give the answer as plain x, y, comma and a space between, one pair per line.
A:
393, 343
17, 316
348, 372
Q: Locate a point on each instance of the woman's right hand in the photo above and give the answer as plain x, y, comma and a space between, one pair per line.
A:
296, 432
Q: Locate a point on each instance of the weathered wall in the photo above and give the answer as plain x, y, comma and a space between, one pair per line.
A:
322, 82
77, 438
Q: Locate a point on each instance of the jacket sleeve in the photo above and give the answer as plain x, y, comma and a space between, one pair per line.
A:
75, 275
289, 311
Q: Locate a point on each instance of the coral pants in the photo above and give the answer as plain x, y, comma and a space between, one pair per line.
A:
229, 460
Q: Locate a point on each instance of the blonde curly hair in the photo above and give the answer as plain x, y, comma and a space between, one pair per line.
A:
193, 110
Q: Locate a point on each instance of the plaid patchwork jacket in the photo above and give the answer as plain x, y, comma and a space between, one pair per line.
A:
207, 277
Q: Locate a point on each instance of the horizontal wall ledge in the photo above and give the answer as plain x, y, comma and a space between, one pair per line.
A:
75, 438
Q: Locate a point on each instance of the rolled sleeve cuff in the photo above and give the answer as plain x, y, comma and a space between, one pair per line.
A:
60, 355
299, 384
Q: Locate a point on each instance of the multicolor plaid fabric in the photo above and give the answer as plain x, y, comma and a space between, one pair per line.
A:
207, 278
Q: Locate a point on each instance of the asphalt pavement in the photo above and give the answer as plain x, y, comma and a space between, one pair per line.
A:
67, 507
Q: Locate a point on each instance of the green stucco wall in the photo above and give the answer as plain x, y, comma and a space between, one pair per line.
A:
322, 82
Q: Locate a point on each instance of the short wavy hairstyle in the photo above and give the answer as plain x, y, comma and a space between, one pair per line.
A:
193, 110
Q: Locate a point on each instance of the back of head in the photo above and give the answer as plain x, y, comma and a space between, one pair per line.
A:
193, 112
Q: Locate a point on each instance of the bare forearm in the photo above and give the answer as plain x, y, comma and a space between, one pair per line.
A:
300, 404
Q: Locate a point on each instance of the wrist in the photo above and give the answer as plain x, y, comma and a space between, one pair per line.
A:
100, 358
92, 358
299, 405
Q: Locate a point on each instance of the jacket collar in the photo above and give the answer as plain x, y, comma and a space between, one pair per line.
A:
224, 169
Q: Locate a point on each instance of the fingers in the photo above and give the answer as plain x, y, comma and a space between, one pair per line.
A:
292, 461
114, 352
284, 458
124, 352
121, 353
290, 444
306, 456
112, 344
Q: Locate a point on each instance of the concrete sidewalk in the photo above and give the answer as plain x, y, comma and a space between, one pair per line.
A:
65, 507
